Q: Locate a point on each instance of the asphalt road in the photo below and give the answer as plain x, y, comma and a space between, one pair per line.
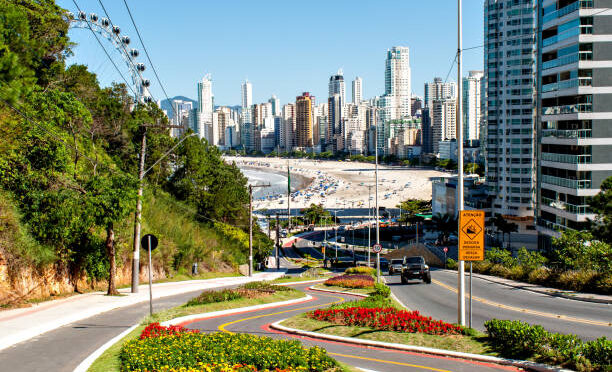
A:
257, 322
64, 348
491, 300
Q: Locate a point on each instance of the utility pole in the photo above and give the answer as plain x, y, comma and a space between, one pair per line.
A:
137, 215
277, 242
460, 206
377, 210
369, 223
251, 187
288, 196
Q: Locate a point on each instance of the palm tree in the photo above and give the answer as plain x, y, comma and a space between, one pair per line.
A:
504, 227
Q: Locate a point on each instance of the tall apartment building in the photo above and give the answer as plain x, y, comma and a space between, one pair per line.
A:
472, 89
510, 108
335, 123
575, 131
303, 120
443, 122
439, 90
246, 94
289, 125
180, 110
275, 105
336, 85
205, 107
357, 90
397, 83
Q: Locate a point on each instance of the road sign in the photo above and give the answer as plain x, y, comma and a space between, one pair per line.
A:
377, 248
471, 235
145, 241
445, 249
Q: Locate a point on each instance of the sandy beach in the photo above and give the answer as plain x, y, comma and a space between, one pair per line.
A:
341, 184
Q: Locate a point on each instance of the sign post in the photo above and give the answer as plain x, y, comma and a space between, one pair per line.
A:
471, 242
377, 248
150, 242
445, 252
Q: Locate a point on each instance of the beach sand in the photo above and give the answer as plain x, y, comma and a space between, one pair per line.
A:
342, 184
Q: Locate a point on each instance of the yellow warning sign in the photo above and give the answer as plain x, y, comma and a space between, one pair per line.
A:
471, 235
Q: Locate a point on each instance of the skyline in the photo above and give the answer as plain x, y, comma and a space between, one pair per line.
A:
359, 50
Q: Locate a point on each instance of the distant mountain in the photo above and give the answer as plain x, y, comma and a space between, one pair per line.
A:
167, 104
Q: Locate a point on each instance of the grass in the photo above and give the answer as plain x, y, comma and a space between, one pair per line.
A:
292, 279
365, 291
467, 344
109, 360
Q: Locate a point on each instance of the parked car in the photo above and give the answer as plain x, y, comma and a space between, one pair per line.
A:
415, 268
283, 233
396, 266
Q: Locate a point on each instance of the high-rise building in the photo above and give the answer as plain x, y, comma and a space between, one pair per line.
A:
303, 120
510, 108
205, 107
181, 110
471, 105
336, 85
357, 86
275, 106
334, 123
443, 122
416, 106
575, 126
289, 123
397, 83
439, 90
247, 94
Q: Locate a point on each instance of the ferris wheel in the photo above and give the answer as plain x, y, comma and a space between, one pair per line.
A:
105, 28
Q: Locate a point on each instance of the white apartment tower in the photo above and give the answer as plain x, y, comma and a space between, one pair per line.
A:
471, 105
397, 83
205, 107
357, 90
247, 94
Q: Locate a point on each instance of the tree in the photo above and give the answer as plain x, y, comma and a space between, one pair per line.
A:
602, 206
504, 227
110, 199
579, 250
446, 225
315, 213
411, 207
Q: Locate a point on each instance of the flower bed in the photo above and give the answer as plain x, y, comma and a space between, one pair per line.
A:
351, 281
178, 349
387, 319
248, 290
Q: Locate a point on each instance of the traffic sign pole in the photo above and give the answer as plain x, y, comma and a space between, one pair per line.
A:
460, 185
150, 278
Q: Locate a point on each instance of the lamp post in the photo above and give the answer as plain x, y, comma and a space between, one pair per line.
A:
460, 203
377, 210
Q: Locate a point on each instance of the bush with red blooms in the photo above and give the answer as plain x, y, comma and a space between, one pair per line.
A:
387, 319
157, 330
351, 281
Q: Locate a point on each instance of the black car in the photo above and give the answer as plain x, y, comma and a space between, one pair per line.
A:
415, 268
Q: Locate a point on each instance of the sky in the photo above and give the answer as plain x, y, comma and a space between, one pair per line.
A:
282, 47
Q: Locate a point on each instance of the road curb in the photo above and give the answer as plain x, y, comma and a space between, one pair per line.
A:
312, 288
87, 362
302, 282
540, 291
531, 366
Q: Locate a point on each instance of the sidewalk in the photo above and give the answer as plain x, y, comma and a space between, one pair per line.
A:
573, 295
22, 324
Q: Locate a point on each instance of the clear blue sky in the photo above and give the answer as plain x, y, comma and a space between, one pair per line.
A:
283, 47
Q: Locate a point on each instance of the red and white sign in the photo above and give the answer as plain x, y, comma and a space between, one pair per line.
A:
445, 249
377, 248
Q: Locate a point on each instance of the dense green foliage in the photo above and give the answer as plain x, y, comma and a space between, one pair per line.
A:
209, 297
516, 339
265, 286
411, 207
602, 206
69, 153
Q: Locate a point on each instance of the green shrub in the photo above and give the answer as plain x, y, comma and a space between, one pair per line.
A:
539, 275
516, 272
482, 266
519, 339
382, 290
208, 297
603, 284
500, 270
530, 260
500, 256
188, 350
370, 302
451, 264
361, 270
576, 280
265, 286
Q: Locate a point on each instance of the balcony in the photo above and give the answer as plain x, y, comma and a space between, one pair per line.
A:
567, 84
568, 109
560, 37
567, 133
582, 4
571, 208
567, 183
551, 225
560, 61
566, 158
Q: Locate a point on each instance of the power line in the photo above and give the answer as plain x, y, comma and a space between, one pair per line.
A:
149, 58
451, 67
105, 51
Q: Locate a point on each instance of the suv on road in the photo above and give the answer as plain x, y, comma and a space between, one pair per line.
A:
395, 266
415, 268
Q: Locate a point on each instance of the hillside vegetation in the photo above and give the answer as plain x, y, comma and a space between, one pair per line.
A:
69, 153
